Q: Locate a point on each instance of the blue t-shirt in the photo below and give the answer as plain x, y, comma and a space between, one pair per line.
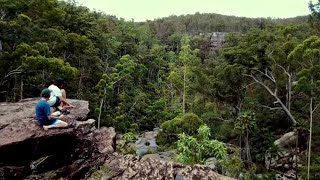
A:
42, 111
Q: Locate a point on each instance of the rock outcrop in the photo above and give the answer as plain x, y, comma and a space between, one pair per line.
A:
288, 160
25, 148
77, 152
216, 41
134, 167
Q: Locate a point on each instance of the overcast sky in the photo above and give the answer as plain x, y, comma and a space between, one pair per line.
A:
141, 10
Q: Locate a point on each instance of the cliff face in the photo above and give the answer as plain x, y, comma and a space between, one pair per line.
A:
216, 41
28, 152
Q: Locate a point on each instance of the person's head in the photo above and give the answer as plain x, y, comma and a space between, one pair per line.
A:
60, 82
45, 93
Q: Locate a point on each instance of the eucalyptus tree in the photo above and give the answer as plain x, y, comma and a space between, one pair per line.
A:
308, 56
181, 74
109, 82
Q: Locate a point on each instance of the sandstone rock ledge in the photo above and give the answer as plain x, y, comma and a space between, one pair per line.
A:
28, 152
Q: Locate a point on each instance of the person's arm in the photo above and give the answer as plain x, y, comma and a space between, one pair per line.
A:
48, 112
62, 99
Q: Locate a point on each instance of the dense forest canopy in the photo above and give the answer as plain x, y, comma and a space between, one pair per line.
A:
209, 22
260, 84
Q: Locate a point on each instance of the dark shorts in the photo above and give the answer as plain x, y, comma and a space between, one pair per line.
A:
47, 122
58, 102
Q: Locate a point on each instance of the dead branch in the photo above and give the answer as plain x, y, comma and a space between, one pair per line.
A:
271, 108
315, 108
274, 94
268, 75
12, 72
245, 87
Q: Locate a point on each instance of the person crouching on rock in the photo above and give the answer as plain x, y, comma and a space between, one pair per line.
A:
58, 97
43, 114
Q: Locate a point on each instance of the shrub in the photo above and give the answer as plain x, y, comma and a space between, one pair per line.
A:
197, 150
314, 169
188, 124
128, 141
232, 164
221, 130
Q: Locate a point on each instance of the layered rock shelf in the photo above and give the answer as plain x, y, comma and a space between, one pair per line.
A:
76, 152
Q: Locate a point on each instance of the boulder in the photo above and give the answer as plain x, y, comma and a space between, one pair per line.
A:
212, 163
288, 158
105, 140
287, 140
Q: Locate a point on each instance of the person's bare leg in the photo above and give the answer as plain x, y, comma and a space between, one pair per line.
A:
64, 95
56, 113
60, 107
60, 124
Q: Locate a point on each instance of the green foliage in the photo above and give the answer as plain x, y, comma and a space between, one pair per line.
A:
225, 132
314, 17
308, 54
156, 114
246, 122
197, 150
129, 137
188, 124
127, 146
209, 22
314, 172
232, 164
314, 169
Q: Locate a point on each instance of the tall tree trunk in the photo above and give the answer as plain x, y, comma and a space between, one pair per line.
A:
184, 91
240, 144
248, 149
158, 74
80, 78
289, 88
310, 130
100, 110
1, 47
79, 86
296, 151
289, 93
101, 105
15, 88
7, 92
310, 137
21, 88
172, 96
